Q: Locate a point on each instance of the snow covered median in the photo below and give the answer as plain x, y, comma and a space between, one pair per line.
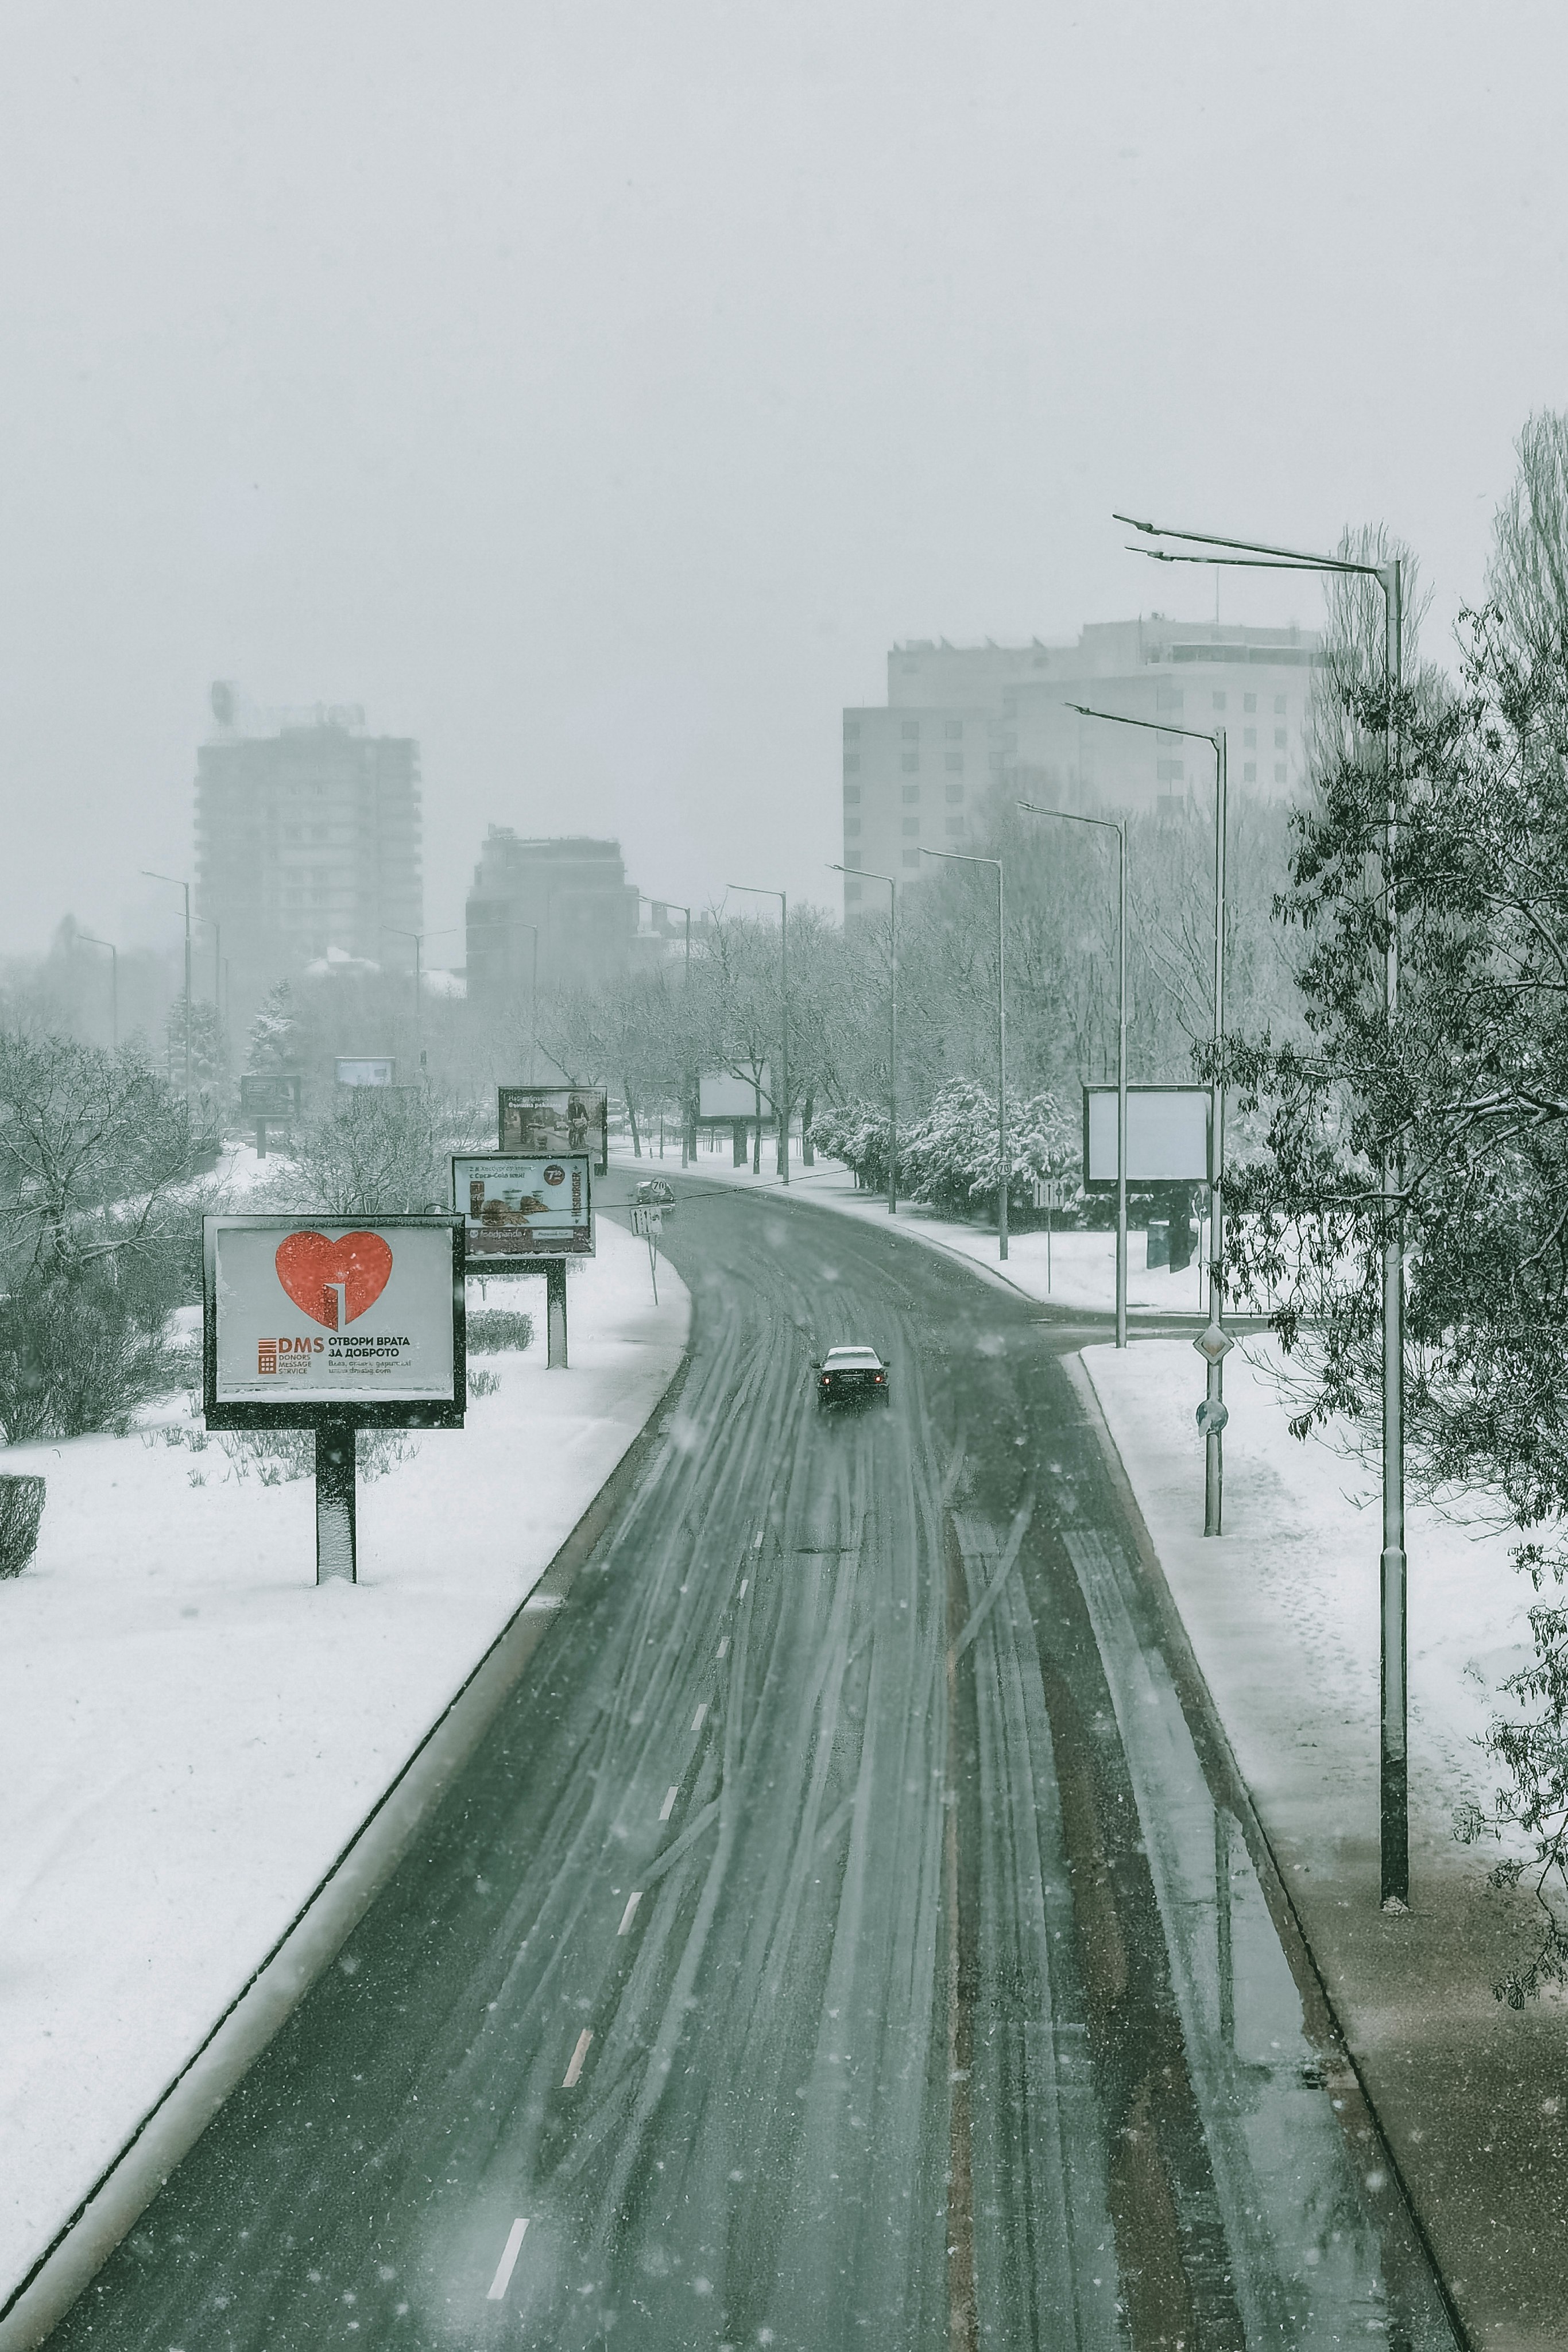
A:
190, 1730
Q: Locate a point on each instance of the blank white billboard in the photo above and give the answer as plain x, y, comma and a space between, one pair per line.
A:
721, 1094
1167, 1135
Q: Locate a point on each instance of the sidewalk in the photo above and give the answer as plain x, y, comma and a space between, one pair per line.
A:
191, 1730
1281, 1611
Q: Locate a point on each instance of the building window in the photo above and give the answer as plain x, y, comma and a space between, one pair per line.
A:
1279, 705
955, 791
910, 763
1279, 771
912, 730
911, 825
851, 796
1248, 702
1249, 772
1250, 739
955, 728
1220, 702
1279, 739
852, 764
852, 827
955, 764
912, 858
851, 731
911, 794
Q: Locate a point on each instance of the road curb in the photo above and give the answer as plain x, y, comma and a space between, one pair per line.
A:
1228, 1784
318, 1930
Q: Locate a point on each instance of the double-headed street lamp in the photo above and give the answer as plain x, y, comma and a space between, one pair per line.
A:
1213, 1443
1004, 1163
755, 890
892, 1026
180, 885
1394, 1763
1119, 827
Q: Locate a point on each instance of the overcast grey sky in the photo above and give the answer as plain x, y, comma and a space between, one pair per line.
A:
595, 392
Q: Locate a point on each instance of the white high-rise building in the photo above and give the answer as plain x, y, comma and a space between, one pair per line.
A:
960, 719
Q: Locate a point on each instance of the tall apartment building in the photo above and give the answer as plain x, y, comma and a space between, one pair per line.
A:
308, 839
963, 721
574, 891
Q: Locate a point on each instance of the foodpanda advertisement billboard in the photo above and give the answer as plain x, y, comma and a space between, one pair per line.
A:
308, 1319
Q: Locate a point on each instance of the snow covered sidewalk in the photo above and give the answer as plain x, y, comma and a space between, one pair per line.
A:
1281, 1611
191, 1730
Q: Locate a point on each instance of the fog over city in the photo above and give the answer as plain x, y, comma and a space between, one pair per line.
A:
783, 1176
596, 393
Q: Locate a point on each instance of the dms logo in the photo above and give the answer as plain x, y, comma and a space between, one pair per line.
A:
267, 1351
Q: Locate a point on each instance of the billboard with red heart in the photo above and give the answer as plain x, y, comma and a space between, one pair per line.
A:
307, 1317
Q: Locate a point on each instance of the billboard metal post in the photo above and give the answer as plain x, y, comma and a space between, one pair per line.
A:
555, 1315
335, 1465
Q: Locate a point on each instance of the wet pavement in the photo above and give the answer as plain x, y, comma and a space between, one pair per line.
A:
836, 1938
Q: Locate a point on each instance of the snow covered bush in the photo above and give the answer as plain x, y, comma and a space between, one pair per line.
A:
948, 1158
491, 1329
857, 1134
76, 1355
21, 1510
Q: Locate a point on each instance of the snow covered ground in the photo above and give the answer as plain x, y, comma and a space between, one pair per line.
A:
191, 1730
1282, 1608
1071, 1269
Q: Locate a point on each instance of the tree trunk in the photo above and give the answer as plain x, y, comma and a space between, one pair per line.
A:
808, 1148
757, 1133
632, 1117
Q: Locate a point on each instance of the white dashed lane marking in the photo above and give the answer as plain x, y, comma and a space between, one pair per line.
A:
700, 1717
629, 1913
668, 1807
578, 2055
508, 2264
724, 1646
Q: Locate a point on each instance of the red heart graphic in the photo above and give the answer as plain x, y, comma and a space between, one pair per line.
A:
309, 1265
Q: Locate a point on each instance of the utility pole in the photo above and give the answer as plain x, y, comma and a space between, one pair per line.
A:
185, 887
1004, 1162
1255, 555
1118, 827
891, 1025
688, 1079
783, 1106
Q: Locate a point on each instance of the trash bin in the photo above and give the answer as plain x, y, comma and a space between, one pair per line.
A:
1159, 1241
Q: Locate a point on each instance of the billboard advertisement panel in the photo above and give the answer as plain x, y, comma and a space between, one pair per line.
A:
1168, 1136
366, 1069
543, 1122
522, 1205
307, 1319
269, 1094
721, 1094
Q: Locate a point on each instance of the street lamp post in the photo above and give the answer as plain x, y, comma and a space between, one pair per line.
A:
185, 887
1119, 827
688, 1109
113, 984
1004, 1162
1213, 1442
754, 891
892, 1026
1394, 1758
419, 938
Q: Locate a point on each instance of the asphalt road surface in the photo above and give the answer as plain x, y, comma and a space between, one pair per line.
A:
833, 1942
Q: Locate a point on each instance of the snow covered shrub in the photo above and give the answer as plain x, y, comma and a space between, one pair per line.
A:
949, 1156
859, 1135
76, 1355
21, 1510
492, 1329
